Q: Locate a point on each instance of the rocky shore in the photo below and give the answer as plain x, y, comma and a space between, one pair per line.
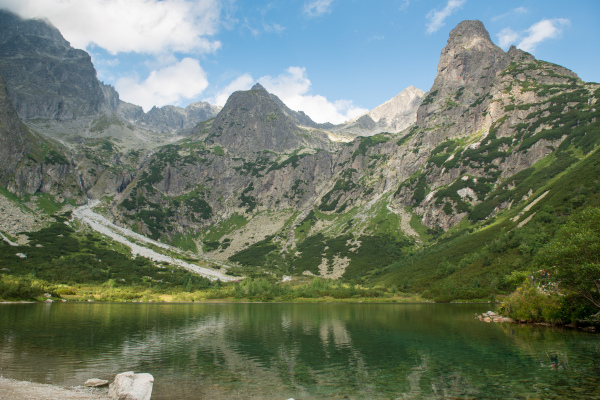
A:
126, 386
491, 316
11, 389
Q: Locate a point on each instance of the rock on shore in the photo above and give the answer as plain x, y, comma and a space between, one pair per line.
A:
491, 316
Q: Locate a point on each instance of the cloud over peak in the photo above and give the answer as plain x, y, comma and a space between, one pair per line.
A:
436, 18
141, 26
292, 87
183, 80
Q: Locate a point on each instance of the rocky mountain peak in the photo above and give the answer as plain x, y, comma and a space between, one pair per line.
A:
255, 120
258, 86
470, 34
13, 26
45, 76
468, 66
468, 52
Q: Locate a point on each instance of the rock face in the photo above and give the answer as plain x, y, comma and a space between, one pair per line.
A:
252, 121
468, 65
28, 163
131, 386
14, 142
45, 76
393, 116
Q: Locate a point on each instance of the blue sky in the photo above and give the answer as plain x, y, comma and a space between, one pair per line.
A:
333, 59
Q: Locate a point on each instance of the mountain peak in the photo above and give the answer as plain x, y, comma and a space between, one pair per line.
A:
258, 86
470, 35
470, 28
255, 120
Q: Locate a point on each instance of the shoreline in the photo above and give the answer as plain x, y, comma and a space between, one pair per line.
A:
12, 389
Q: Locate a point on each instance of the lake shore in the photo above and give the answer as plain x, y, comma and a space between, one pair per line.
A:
11, 389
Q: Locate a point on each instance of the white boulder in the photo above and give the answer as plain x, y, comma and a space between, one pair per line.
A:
131, 386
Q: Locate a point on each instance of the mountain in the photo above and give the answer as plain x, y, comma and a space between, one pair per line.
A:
393, 116
48, 79
45, 76
500, 151
256, 121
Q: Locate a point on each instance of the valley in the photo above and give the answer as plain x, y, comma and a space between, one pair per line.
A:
448, 194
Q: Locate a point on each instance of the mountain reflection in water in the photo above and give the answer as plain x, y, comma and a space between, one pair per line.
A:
300, 351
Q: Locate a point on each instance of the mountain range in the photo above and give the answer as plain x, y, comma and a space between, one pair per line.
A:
445, 193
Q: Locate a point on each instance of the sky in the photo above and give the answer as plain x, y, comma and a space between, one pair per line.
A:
333, 59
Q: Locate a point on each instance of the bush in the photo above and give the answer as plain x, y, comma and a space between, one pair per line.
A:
20, 288
530, 304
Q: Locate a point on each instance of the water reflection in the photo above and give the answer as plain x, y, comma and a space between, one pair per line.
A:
312, 351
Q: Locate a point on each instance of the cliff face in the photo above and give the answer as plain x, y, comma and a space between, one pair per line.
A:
29, 163
14, 142
45, 76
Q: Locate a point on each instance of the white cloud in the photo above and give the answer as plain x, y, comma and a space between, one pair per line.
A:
317, 8
540, 31
170, 85
534, 35
292, 88
404, 5
243, 82
506, 37
436, 17
273, 28
143, 26
514, 11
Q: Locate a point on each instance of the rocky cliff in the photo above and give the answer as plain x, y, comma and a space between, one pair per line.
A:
32, 164
45, 77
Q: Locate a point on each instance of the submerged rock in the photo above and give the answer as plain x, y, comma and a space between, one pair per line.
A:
131, 386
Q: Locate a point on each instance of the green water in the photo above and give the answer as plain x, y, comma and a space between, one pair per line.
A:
300, 351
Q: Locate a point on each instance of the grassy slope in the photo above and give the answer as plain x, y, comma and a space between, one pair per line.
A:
476, 261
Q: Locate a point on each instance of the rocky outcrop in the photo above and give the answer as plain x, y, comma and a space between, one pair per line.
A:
30, 164
468, 65
14, 137
45, 76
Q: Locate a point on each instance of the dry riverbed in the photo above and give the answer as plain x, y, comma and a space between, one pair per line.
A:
11, 389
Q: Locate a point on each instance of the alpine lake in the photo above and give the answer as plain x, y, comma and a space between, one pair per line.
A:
299, 351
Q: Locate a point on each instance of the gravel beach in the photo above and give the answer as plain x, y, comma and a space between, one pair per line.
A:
11, 389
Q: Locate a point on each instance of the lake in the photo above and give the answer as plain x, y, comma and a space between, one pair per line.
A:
300, 351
